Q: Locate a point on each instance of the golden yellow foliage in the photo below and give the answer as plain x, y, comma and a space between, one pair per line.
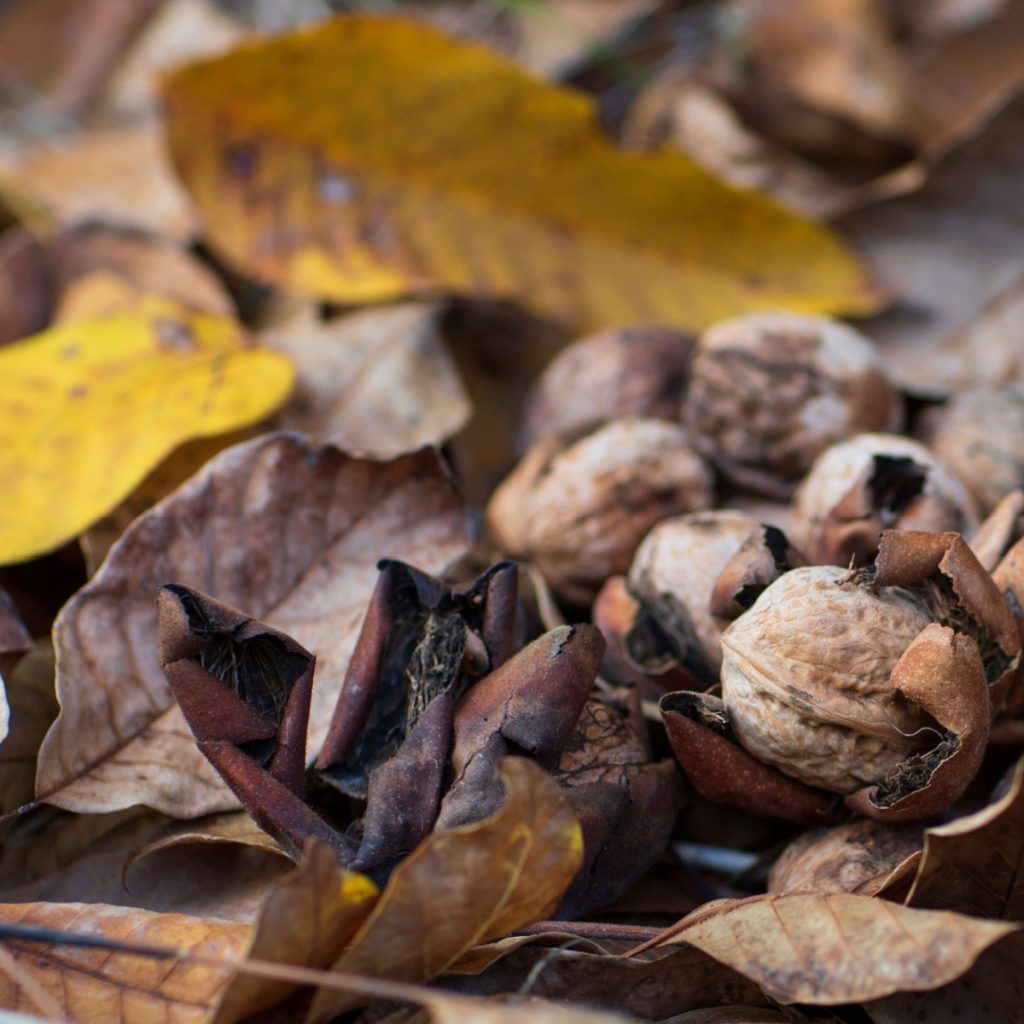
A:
370, 157
87, 409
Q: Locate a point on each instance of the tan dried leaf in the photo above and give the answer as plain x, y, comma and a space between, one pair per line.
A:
835, 949
95, 986
379, 382
466, 886
975, 864
291, 532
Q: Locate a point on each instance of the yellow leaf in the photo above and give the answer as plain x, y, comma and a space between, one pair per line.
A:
88, 409
371, 157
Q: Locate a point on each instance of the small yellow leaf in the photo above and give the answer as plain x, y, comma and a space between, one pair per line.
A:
89, 408
371, 157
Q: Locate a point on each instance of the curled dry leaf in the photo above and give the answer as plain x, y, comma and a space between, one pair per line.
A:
379, 382
467, 886
389, 211
306, 919
578, 506
24, 297
854, 857
634, 371
872, 483
975, 864
725, 773
144, 990
286, 529
826, 950
771, 391
112, 397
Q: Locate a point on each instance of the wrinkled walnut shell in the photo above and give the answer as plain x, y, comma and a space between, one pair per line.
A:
578, 508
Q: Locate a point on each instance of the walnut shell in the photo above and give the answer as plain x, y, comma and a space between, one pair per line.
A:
846, 858
806, 678
770, 391
874, 482
578, 508
977, 433
674, 572
634, 371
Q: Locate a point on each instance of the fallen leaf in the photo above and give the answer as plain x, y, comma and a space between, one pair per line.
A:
108, 175
95, 986
379, 382
105, 401
397, 160
292, 532
33, 707
975, 864
232, 827
946, 250
991, 990
466, 886
307, 919
24, 297
835, 949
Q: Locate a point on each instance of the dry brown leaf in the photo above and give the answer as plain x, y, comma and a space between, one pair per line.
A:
228, 827
975, 864
291, 532
306, 919
24, 296
95, 986
116, 176
835, 949
947, 250
466, 886
650, 988
33, 707
379, 382
992, 990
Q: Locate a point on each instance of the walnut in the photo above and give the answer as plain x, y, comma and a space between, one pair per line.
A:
636, 371
769, 392
977, 433
856, 857
673, 574
879, 683
871, 483
578, 507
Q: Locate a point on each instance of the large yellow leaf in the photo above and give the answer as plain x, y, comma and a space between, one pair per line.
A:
371, 157
88, 409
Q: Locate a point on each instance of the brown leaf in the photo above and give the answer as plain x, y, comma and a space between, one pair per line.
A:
467, 886
290, 531
15, 638
33, 707
93, 985
230, 827
835, 949
306, 919
947, 250
650, 987
115, 176
24, 298
379, 382
975, 864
